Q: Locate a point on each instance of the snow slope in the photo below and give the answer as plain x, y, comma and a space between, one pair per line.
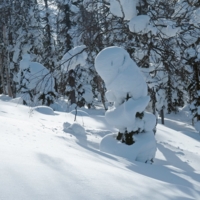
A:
40, 161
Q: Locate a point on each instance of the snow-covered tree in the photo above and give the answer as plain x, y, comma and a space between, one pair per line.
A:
21, 34
127, 88
48, 22
154, 46
63, 26
76, 77
36, 85
187, 15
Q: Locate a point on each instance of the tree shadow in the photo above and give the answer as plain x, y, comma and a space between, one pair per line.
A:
52, 162
171, 155
182, 127
166, 173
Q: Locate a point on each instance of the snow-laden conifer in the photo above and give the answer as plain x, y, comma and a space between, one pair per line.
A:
127, 88
35, 83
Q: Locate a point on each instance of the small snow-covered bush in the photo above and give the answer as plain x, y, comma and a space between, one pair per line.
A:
77, 77
127, 88
35, 83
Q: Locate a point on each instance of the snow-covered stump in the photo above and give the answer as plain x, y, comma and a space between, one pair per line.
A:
127, 88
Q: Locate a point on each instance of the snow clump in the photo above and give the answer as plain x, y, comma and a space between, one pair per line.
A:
74, 128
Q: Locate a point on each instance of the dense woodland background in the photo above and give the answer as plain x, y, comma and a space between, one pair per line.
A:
48, 29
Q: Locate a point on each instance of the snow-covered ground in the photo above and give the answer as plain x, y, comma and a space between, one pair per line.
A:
43, 155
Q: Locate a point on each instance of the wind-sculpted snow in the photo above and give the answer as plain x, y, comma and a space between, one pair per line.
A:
120, 74
128, 90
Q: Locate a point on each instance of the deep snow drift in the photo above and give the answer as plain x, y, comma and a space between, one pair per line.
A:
40, 159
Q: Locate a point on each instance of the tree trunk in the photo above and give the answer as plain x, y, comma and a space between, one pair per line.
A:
197, 77
2, 75
8, 83
162, 116
5, 40
72, 84
101, 91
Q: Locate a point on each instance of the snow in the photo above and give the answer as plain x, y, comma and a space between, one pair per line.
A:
5, 97
34, 76
123, 116
144, 148
76, 128
139, 24
120, 73
43, 109
17, 100
87, 95
79, 112
73, 58
41, 161
170, 31
195, 17
197, 126
128, 90
124, 8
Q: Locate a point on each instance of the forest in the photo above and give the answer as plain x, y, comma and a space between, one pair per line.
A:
99, 99
61, 38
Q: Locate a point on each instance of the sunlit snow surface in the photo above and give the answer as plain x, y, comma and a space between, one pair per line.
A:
39, 160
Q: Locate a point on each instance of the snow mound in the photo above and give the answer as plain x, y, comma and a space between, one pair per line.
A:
74, 128
44, 110
79, 113
66, 125
77, 128
60, 105
5, 97
18, 100
143, 150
